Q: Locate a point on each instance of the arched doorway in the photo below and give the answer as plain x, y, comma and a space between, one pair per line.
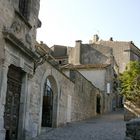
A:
98, 104
49, 103
12, 105
47, 109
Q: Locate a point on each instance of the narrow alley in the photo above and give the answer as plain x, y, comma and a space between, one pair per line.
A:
106, 127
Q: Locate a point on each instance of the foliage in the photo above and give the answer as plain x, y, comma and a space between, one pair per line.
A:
130, 81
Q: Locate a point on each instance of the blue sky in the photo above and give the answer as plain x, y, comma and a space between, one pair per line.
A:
64, 21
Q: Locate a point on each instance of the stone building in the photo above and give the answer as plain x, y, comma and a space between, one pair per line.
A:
100, 76
99, 52
34, 93
56, 99
97, 64
123, 51
18, 24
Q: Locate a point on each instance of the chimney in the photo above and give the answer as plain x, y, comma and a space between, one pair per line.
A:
95, 38
78, 43
77, 52
111, 39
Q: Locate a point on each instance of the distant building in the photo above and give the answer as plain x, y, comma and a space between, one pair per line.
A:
60, 53
123, 51
97, 52
100, 75
97, 64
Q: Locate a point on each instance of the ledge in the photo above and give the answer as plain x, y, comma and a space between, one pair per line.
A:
10, 37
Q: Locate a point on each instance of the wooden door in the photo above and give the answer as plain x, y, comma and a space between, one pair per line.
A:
11, 115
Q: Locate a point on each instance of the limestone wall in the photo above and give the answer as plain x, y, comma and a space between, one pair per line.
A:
17, 42
84, 102
73, 100
61, 86
92, 54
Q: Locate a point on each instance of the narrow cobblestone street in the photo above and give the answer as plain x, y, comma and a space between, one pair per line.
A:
106, 127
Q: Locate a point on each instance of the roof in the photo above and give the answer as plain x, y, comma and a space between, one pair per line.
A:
85, 66
59, 50
42, 48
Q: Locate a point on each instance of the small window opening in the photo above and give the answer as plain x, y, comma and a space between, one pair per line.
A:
60, 62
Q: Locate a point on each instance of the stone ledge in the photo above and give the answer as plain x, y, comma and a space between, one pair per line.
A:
10, 37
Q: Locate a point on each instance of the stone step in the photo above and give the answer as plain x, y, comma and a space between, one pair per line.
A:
46, 129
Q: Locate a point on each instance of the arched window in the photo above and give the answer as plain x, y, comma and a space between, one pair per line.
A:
24, 7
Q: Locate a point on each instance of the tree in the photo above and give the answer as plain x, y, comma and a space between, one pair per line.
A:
130, 81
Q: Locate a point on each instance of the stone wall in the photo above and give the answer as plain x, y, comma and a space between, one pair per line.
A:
84, 105
62, 88
95, 54
131, 110
17, 47
121, 52
74, 100
133, 129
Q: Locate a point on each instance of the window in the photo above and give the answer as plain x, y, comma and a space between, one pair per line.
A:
108, 88
23, 7
60, 62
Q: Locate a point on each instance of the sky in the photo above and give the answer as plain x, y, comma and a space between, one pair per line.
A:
65, 21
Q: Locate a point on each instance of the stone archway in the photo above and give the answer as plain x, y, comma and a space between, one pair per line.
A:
49, 102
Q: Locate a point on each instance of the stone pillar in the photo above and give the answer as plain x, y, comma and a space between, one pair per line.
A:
22, 111
3, 89
28, 123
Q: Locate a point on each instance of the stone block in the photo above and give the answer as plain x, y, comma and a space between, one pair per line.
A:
133, 129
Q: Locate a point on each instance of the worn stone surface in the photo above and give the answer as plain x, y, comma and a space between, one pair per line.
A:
17, 47
106, 127
85, 97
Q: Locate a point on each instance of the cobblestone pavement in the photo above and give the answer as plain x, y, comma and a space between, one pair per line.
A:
106, 127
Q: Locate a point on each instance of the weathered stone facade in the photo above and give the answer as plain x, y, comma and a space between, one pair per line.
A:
72, 101
123, 52
26, 70
90, 54
17, 51
84, 104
